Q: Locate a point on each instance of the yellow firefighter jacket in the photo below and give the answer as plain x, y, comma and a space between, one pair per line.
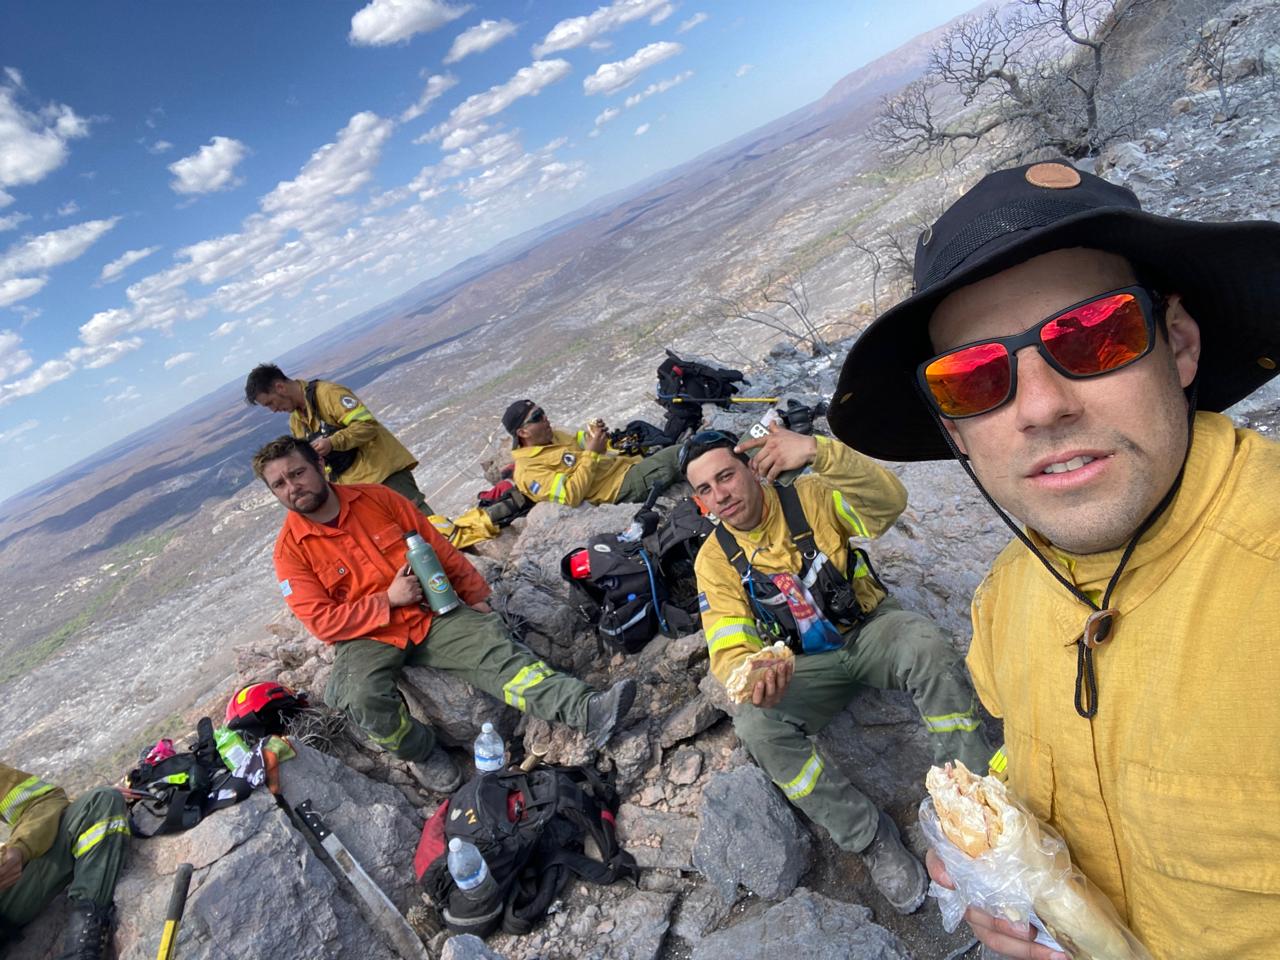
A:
563, 472
381, 454
846, 495
1168, 798
32, 809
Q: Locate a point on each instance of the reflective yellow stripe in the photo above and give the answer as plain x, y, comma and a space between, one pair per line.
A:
998, 761
849, 515
951, 722
514, 690
93, 836
19, 798
860, 567
557, 489
804, 782
359, 413
731, 631
393, 741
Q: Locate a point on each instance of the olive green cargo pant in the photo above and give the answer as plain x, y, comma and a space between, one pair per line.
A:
474, 646
895, 650
87, 854
661, 468
402, 482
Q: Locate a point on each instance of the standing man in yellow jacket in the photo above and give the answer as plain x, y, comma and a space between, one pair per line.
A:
355, 446
569, 468
1063, 340
783, 565
54, 845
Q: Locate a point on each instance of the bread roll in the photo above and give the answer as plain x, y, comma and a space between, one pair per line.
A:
742, 681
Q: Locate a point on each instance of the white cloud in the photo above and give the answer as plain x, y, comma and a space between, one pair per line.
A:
105, 325
47, 374
695, 20
642, 129
209, 169
178, 358
5, 199
463, 136
68, 208
12, 220
335, 170
113, 270
436, 86
662, 86
606, 115
479, 38
33, 144
743, 70
19, 288
383, 22
127, 395
14, 432
13, 359
102, 354
599, 46
611, 77
576, 31
526, 82
661, 14
159, 147
41, 253
225, 329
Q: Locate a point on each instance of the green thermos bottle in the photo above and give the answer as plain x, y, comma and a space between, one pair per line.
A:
431, 574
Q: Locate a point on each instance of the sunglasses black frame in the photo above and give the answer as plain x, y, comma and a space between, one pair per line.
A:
701, 442
1150, 302
536, 415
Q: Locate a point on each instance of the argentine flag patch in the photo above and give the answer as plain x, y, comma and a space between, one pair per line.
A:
703, 605
285, 588
535, 487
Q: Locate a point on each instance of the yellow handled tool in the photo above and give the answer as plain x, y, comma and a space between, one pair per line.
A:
173, 918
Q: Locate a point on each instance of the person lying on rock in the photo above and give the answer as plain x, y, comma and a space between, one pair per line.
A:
340, 560
54, 845
1059, 344
782, 565
567, 468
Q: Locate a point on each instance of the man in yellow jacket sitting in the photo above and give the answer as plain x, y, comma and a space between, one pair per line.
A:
783, 564
567, 468
1063, 340
52, 845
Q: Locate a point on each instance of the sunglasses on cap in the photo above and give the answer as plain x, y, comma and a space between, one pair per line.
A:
1091, 338
537, 416
700, 443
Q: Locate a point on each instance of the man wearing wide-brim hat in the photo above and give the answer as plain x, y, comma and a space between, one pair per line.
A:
1067, 348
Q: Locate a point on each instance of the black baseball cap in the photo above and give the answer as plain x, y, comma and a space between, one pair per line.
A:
513, 419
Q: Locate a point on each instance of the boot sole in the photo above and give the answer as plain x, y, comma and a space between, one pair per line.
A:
627, 696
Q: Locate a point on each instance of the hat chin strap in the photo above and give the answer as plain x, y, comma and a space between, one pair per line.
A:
1102, 617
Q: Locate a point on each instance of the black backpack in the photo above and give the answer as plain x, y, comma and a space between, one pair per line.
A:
695, 383
181, 790
529, 827
632, 591
338, 460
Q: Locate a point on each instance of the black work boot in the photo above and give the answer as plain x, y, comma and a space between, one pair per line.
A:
897, 874
438, 773
606, 710
88, 931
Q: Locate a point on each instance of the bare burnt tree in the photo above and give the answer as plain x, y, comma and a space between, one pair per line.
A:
1031, 77
1211, 39
781, 305
871, 254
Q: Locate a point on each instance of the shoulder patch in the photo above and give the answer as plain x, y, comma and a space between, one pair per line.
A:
349, 402
569, 459
703, 604
535, 486
285, 588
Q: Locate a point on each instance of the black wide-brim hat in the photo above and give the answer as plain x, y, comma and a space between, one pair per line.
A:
1227, 273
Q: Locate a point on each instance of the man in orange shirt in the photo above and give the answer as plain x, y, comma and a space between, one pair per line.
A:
340, 560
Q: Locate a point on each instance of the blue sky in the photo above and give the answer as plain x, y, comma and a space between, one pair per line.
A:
189, 188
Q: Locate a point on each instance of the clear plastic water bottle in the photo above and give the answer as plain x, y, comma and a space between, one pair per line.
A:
469, 871
490, 751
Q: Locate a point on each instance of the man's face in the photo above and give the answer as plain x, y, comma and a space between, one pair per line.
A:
277, 399
728, 488
536, 430
297, 484
1121, 436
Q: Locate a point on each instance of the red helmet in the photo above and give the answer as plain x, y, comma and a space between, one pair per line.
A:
262, 708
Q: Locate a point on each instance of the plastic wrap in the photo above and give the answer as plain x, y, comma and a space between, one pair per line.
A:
1027, 876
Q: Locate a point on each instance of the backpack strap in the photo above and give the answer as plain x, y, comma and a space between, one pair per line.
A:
797, 525
310, 391
733, 553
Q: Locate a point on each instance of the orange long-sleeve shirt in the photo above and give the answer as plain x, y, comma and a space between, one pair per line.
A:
335, 578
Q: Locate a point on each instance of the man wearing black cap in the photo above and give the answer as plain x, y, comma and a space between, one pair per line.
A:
1063, 341
567, 468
